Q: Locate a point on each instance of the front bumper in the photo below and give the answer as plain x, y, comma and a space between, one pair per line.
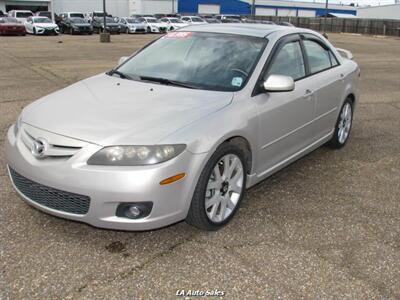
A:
107, 187
47, 31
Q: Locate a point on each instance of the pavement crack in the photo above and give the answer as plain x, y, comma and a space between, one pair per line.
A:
131, 271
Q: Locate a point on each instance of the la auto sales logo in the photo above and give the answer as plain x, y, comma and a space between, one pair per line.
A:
200, 293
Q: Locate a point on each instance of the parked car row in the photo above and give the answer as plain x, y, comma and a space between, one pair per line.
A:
20, 22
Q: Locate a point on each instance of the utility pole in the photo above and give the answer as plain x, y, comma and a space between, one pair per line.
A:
173, 6
104, 16
326, 15
253, 9
105, 36
52, 11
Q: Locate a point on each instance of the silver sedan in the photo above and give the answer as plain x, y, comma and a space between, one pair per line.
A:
180, 129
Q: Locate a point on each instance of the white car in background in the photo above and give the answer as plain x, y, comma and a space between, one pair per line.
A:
41, 25
193, 20
173, 23
153, 25
131, 25
20, 15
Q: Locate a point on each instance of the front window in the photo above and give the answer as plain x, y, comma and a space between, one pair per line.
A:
210, 61
108, 20
175, 20
152, 20
318, 57
288, 61
78, 20
77, 16
23, 14
42, 20
196, 19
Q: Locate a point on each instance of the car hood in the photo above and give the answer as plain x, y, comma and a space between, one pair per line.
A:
46, 25
12, 24
108, 110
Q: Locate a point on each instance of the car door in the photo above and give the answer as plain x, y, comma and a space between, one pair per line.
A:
284, 118
328, 83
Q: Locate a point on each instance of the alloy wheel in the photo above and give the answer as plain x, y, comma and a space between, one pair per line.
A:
345, 123
224, 188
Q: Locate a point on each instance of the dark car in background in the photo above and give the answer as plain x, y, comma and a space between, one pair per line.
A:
111, 25
75, 26
11, 26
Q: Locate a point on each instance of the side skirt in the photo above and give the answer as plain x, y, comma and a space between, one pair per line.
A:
253, 179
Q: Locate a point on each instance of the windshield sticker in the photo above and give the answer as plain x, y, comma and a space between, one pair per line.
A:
237, 81
178, 35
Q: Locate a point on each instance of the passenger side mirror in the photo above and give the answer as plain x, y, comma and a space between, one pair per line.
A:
122, 60
278, 83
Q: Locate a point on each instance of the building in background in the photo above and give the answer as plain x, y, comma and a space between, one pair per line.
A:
120, 8
380, 12
262, 8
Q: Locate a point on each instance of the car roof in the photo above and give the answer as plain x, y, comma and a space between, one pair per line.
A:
257, 30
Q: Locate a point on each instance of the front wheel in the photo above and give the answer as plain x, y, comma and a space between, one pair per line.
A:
343, 125
34, 30
220, 189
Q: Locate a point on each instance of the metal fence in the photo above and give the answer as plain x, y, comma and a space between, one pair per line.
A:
363, 26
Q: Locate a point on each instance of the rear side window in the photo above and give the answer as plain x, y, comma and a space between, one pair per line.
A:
319, 58
288, 61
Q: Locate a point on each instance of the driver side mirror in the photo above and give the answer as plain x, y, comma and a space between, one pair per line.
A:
278, 83
122, 60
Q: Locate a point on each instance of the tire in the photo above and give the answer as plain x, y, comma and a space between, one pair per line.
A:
34, 30
71, 31
127, 30
343, 125
201, 217
148, 30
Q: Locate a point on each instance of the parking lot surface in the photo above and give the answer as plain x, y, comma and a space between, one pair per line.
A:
328, 226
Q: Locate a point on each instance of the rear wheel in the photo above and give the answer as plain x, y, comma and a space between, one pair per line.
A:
343, 125
220, 189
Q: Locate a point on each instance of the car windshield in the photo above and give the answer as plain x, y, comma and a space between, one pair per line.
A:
108, 20
24, 14
78, 20
151, 20
196, 19
45, 14
210, 61
174, 20
77, 15
42, 20
8, 20
132, 21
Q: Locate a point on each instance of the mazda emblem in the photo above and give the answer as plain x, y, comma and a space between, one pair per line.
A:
39, 147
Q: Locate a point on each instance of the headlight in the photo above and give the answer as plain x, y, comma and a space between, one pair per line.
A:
135, 155
17, 125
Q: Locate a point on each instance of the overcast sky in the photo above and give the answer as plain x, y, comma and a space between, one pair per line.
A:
360, 2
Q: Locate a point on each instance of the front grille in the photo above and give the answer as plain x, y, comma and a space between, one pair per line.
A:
50, 197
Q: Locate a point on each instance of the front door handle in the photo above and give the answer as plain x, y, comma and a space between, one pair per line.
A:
308, 93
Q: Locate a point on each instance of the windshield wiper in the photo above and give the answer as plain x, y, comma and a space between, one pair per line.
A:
120, 74
168, 82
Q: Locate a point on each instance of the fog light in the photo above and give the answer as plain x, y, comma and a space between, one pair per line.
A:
134, 210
